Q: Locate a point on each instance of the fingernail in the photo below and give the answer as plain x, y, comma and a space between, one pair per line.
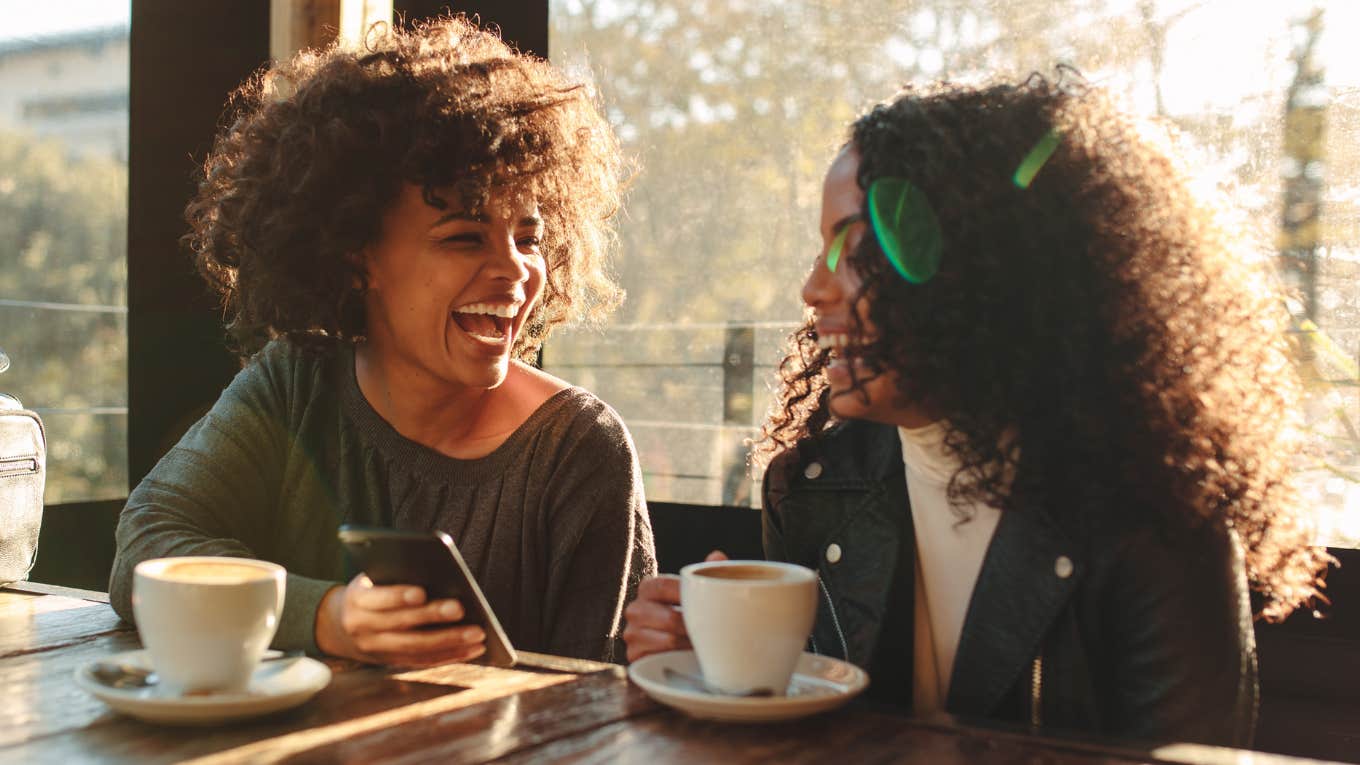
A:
413, 596
450, 611
475, 635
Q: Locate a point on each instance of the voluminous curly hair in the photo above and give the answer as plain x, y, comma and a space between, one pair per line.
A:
315, 150
1095, 342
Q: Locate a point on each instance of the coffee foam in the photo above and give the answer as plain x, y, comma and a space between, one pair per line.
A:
213, 573
744, 572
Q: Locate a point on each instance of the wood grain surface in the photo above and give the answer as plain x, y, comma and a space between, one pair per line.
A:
547, 709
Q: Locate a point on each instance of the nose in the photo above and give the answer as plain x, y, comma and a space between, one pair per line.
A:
820, 286
506, 261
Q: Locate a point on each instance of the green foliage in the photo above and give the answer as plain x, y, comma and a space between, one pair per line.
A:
63, 222
734, 108
63, 233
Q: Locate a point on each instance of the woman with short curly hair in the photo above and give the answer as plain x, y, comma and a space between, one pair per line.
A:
393, 230
1037, 432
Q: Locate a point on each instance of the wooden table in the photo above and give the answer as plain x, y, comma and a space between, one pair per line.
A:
548, 710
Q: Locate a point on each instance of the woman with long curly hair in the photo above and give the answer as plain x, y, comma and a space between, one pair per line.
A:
393, 230
1036, 436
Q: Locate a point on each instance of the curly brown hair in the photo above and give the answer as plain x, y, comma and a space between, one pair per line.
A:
1096, 340
317, 148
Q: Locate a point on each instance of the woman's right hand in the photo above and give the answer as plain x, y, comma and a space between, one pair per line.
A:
381, 625
655, 623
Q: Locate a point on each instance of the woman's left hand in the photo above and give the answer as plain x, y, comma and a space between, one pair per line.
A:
655, 622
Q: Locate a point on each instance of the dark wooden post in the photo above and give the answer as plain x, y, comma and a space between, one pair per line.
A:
185, 59
523, 23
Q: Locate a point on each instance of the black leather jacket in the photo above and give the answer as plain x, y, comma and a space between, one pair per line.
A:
1118, 631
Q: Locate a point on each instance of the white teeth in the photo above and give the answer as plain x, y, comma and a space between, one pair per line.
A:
503, 311
832, 340
493, 339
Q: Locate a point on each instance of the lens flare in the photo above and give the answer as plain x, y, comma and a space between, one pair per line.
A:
906, 227
1035, 159
833, 254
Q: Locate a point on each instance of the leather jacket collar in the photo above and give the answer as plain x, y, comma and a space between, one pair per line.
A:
1117, 628
855, 498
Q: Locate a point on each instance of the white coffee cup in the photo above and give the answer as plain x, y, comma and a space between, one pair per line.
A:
206, 621
749, 621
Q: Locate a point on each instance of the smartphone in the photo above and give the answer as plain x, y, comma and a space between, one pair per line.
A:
428, 559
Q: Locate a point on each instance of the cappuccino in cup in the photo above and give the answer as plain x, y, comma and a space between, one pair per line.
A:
742, 571
206, 621
748, 621
214, 571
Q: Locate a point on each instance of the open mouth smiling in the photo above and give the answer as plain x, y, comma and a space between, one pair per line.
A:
835, 345
830, 341
842, 351
488, 323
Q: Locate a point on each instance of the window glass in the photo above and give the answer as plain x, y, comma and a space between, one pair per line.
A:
63, 234
734, 108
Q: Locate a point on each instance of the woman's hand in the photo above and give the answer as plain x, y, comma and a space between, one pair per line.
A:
388, 625
654, 620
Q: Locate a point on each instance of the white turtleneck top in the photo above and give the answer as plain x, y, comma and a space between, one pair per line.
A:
949, 554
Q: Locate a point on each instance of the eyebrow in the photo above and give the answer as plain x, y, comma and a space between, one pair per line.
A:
528, 221
843, 222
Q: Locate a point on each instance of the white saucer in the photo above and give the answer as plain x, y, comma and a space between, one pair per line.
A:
274, 686
819, 684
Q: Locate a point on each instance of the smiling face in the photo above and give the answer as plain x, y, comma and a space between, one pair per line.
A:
856, 391
449, 291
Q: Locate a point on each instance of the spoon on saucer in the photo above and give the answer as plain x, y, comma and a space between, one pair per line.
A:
698, 684
128, 676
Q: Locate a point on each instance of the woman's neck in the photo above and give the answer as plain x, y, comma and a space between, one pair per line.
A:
458, 421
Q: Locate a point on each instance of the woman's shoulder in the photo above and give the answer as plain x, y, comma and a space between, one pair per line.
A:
564, 404
853, 448
552, 410
287, 371
585, 419
286, 356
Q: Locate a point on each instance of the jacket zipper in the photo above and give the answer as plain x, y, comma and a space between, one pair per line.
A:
1036, 692
835, 621
12, 466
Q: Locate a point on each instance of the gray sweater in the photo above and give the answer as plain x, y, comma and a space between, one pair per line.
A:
552, 523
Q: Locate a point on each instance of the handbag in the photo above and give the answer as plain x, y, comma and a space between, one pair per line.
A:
23, 473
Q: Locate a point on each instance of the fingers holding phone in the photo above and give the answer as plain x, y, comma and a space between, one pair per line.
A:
416, 602
395, 625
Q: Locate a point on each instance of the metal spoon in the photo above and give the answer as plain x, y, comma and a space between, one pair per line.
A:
124, 676
698, 684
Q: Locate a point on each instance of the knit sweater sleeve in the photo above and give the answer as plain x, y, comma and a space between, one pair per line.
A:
601, 538
217, 490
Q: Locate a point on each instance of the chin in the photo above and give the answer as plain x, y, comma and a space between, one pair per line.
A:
494, 375
850, 405
847, 405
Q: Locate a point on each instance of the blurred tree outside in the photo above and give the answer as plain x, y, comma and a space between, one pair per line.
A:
63, 297
733, 108
1325, 284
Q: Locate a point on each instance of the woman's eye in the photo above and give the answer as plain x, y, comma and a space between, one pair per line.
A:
462, 239
529, 242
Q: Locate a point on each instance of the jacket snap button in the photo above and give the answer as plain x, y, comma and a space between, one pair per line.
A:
813, 470
1063, 567
833, 553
